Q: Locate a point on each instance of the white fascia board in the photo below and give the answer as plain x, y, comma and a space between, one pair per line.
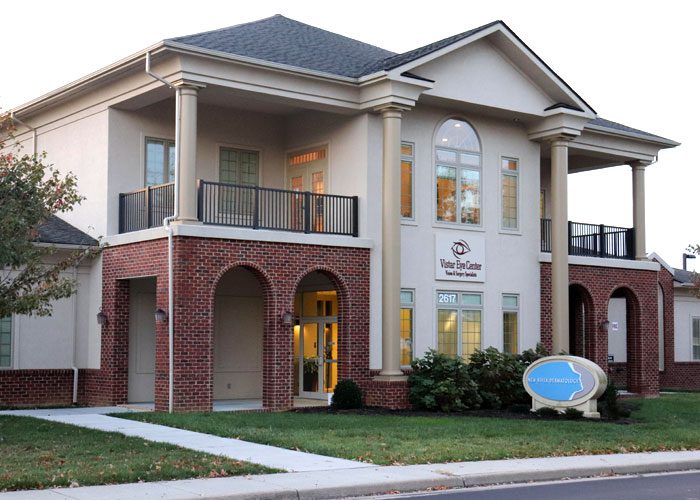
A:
587, 110
576, 260
666, 143
401, 91
655, 256
561, 123
85, 82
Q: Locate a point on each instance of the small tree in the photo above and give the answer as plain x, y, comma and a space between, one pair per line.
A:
30, 192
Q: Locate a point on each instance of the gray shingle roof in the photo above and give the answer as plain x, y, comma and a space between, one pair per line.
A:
602, 122
57, 231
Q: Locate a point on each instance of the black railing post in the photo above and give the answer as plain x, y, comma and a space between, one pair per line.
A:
631, 235
122, 213
307, 212
603, 244
147, 202
355, 216
256, 207
200, 200
570, 226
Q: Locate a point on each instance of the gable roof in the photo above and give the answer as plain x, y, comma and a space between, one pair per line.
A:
683, 276
56, 231
619, 127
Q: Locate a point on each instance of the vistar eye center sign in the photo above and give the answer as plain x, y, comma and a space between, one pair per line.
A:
562, 382
460, 257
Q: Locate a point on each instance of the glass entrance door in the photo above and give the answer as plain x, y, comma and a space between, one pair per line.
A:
318, 357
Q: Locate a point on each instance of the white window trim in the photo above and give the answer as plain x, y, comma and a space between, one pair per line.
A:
412, 306
517, 310
459, 307
221, 145
144, 164
516, 229
309, 147
412, 160
691, 357
457, 224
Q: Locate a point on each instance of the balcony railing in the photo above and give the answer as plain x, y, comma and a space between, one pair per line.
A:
245, 206
593, 240
146, 207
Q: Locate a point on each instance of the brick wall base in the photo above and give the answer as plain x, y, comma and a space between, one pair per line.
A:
681, 375
392, 395
43, 387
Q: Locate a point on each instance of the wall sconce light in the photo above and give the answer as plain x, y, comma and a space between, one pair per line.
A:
604, 324
161, 316
101, 318
286, 318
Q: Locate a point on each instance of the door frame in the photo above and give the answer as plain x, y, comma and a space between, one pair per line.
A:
319, 321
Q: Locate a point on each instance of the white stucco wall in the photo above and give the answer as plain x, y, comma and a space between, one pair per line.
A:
686, 307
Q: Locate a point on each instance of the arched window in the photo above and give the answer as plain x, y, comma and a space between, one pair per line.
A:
458, 173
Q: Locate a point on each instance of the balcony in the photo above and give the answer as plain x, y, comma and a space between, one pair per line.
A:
592, 240
249, 207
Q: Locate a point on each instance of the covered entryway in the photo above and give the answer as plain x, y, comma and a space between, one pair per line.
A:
582, 331
238, 336
315, 367
142, 340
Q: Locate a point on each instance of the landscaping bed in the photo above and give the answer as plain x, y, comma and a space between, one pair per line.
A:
37, 454
670, 422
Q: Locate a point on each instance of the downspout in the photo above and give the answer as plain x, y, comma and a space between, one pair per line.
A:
75, 340
169, 231
14, 118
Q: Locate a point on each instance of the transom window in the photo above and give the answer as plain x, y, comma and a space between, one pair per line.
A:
160, 161
6, 342
459, 323
458, 173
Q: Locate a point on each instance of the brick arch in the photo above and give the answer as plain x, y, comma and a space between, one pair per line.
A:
270, 323
347, 368
584, 338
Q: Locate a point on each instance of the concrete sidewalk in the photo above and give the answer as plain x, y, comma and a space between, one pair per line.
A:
270, 456
340, 483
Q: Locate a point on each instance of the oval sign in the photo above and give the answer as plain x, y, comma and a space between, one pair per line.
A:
564, 380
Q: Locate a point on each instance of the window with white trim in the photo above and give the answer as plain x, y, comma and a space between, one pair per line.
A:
6, 342
407, 325
457, 174
459, 321
160, 161
407, 162
511, 308
509, 193
695, 339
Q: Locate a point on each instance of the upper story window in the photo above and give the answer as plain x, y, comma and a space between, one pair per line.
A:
509, 193
6, 342
458, 173
160, 161
239, 166
407, 155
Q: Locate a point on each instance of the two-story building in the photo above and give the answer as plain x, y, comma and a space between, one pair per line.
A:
286, 207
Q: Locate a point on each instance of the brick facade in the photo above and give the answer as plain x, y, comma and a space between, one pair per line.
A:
199, 264
42, 387
594, 286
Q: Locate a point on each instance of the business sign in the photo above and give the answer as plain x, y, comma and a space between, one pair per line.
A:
564, 381
460, 257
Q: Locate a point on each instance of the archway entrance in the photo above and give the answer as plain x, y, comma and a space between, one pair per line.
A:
315, 368
238, 336
582, 332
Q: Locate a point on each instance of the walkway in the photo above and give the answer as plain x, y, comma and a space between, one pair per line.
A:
270, 456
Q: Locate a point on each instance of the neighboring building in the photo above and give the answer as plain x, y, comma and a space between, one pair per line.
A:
342, 209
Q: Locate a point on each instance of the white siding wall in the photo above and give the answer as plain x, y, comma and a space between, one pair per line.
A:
686, 306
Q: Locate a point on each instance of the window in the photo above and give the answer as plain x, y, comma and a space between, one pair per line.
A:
509, 193
510, 323
406, 327
458, 173
160, 161
239, 167
696, 339
542, 204
407, 180
459, 323
6, 342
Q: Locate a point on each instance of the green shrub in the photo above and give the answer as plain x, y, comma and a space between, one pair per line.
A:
548, 412
347, 395
499, 376
441, 382
609, 403
573, 414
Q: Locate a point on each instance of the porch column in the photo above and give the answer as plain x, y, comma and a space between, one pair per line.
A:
187, 188
560, 244
391, 243
638, 213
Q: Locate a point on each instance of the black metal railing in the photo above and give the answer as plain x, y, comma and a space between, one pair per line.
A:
146, 207
592, 240
277, 209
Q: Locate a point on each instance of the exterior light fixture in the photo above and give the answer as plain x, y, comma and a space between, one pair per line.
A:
160, 315
286, 318
687, 256
101, 318
604, 324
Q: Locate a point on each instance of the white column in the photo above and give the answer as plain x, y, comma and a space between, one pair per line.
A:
638, 212
391, 243
560, 245
187, 187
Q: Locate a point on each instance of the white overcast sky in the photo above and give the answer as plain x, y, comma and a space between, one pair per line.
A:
635, 62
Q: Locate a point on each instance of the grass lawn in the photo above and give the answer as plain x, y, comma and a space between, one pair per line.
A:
40, 454
671, 422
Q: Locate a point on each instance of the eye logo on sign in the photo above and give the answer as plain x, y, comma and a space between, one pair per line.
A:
460, 248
